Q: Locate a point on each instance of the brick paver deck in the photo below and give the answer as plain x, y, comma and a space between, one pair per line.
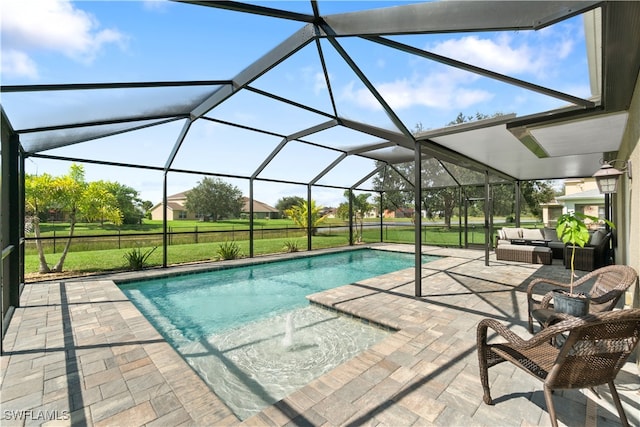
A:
78, 352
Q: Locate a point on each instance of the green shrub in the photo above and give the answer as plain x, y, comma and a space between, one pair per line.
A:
291, 246
138, 259
228, 250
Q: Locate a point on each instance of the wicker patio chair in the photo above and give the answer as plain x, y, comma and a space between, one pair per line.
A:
609, 284
596, 347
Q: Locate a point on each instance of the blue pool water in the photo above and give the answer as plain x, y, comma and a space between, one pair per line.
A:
205, 303
249, 331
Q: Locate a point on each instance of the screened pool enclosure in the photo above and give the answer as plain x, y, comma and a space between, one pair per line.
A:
312, 115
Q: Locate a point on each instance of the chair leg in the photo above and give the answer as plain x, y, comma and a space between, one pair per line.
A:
548, 398
616, 400
530, 323
484, 379
484, 372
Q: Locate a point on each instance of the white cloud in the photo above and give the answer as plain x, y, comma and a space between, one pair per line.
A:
156, 5
319, 83
16, 64
55, 26
436, 90
497, 55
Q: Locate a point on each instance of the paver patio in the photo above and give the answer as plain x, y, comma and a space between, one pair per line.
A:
78, 352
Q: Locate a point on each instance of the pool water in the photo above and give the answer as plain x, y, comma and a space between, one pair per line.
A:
249, 331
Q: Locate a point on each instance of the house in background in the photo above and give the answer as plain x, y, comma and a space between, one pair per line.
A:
580, 195
176, 209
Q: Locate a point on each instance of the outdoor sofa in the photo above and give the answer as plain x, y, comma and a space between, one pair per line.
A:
541, 245
531, 245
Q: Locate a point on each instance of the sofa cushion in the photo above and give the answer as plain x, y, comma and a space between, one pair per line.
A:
532, 234
512, 233
597, 238
551, 234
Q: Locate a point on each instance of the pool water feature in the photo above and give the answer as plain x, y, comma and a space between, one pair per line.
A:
250, 332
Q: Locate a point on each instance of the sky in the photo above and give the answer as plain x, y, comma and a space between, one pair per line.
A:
59, 41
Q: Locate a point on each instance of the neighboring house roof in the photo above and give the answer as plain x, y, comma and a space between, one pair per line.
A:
174, 206
176, 202
179, 196
257, 206
593, 195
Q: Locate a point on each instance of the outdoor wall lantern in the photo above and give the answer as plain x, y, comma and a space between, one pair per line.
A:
607, 176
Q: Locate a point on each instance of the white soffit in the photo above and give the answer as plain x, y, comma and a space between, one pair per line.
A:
494, 146
593, 135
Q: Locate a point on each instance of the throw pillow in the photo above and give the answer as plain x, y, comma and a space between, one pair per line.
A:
512, 233
532, 234
597, 238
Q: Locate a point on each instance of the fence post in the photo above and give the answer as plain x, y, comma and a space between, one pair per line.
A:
54, 240
119, 239
196, 234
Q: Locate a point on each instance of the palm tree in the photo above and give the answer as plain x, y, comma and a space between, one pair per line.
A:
300, 215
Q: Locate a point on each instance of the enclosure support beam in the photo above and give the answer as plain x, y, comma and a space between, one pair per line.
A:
487, 214
10, 221
350, 217
164, 221
251, 225
309, 218
381, 195
461, 208
516, 188
418, 219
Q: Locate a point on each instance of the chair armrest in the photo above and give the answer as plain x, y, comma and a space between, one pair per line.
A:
502, 330
544, 336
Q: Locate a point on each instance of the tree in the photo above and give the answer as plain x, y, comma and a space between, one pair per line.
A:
360, 206
536, 192
129, 202
146, 207
398, 192
215, 199
300, 214
97, 202
71, 194
440, 191
288, 202
40, 194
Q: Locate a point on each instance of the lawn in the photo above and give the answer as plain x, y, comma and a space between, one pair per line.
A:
194, 241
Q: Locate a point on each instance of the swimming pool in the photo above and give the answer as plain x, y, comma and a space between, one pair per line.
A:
250, 332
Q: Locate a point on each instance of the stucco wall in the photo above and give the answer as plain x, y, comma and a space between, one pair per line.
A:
628, 198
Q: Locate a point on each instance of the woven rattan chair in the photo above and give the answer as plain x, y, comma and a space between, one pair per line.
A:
608, 285
595, 349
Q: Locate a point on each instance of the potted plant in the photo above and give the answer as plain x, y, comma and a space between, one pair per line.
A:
571, 229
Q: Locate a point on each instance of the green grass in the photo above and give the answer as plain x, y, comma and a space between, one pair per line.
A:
114, 259
108, 252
